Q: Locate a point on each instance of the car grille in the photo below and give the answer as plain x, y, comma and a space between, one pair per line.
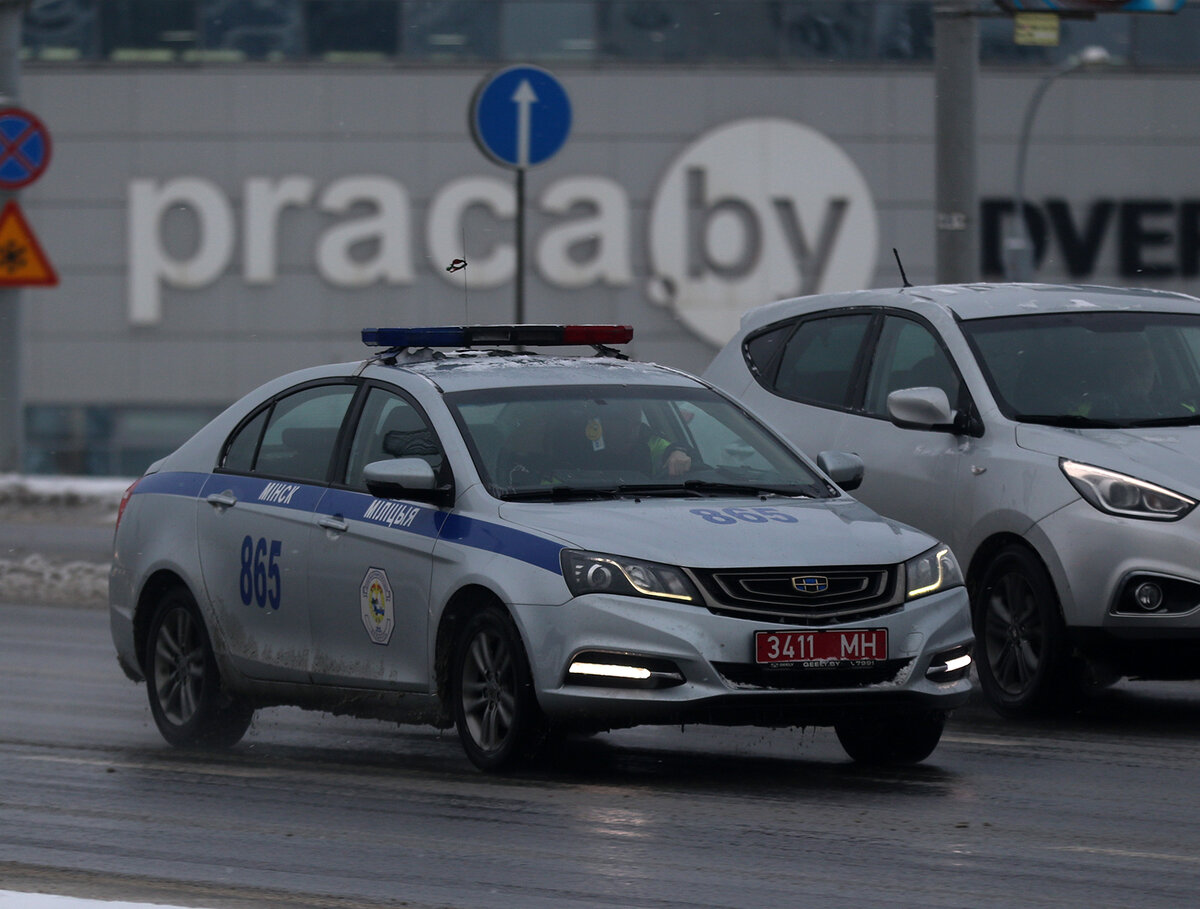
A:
802, 595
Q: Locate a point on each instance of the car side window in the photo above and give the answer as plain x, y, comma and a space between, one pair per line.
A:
243, 446
761, 349
907, 355
390, 427
818, 361
298, 439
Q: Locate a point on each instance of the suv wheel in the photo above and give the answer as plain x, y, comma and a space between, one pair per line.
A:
1023, 653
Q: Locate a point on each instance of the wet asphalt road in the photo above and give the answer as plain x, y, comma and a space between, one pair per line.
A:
312, 810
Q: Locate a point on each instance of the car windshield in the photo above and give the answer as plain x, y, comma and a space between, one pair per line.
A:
591, 441
1092, 368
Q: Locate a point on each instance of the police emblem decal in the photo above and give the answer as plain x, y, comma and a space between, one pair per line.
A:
375, 597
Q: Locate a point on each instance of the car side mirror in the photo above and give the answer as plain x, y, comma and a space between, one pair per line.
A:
843, 467
403, 478
920, 408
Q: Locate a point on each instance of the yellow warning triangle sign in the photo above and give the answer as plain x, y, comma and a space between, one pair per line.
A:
22, 261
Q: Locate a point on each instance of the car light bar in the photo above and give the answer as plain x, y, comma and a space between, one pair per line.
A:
474, 335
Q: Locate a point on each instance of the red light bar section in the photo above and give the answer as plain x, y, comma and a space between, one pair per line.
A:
597, 334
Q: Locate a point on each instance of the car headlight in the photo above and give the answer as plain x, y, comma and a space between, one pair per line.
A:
593, 572
1116, 493
932, 572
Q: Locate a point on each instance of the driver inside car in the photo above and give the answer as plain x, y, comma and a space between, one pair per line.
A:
618, 437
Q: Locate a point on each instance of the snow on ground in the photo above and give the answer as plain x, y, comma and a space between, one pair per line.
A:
12, 900
18, 490
35, 578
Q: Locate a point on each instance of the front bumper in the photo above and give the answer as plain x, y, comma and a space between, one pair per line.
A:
702, 666
1096, 561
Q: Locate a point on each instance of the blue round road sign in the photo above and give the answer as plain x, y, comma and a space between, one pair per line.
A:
520, 116
24, 147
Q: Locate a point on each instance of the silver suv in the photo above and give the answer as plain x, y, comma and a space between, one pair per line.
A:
1049, 434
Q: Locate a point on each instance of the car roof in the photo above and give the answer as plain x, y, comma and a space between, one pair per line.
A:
469, 370
981, 301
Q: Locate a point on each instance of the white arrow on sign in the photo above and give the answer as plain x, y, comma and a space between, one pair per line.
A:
523, 97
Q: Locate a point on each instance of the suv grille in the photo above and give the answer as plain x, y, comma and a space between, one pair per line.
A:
802, 595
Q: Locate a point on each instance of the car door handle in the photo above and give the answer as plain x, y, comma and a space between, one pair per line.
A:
336, 523
222, 499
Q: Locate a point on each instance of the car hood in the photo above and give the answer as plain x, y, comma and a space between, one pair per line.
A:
725, 532
1168, 456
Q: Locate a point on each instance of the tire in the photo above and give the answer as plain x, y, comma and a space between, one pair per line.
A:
893, 739
183, 683
499, 722
1023, 658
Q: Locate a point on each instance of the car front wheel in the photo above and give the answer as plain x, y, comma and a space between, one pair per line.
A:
495, 709
184, 685
1020, 633
893, 739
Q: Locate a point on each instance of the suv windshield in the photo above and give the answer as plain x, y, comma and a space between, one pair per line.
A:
593, 441
1092, 368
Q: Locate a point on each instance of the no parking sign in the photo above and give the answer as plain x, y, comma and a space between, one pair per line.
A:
24, 148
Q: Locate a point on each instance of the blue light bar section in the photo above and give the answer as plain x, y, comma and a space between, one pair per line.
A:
471, 335
415, 337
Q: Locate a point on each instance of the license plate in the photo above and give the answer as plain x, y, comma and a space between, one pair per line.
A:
818, 649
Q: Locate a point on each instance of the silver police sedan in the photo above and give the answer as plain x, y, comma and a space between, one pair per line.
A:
520, 545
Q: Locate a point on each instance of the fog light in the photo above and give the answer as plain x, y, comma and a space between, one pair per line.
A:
622, 670
949, 666
1148, 595
612, 670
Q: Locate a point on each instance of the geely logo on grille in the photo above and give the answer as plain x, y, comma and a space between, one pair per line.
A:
811, 584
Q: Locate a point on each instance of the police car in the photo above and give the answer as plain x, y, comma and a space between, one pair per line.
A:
460, 532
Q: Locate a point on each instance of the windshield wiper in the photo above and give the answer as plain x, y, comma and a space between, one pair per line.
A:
560, 493
1188, 420
808, 490
1069, 420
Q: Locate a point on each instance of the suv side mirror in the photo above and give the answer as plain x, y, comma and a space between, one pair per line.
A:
920, 408
843, 467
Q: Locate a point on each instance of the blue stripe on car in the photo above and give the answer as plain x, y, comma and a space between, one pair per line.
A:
405, 517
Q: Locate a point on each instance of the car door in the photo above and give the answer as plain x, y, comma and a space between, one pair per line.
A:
913, 475
255, 514
370, 558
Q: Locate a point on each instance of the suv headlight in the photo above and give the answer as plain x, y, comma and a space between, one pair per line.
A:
932, 572
593, 572
1116, 493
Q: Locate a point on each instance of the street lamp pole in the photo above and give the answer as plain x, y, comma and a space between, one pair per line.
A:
1018, 248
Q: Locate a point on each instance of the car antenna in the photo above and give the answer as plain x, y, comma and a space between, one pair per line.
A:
900, 265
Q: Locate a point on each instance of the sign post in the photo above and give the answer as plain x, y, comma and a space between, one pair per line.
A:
12, 418
520, 117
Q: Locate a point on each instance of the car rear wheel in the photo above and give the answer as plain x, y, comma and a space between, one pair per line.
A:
892, 739
1021, 636
183, 682
495, 709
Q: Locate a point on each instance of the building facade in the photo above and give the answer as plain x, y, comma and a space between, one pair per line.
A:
232, 201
